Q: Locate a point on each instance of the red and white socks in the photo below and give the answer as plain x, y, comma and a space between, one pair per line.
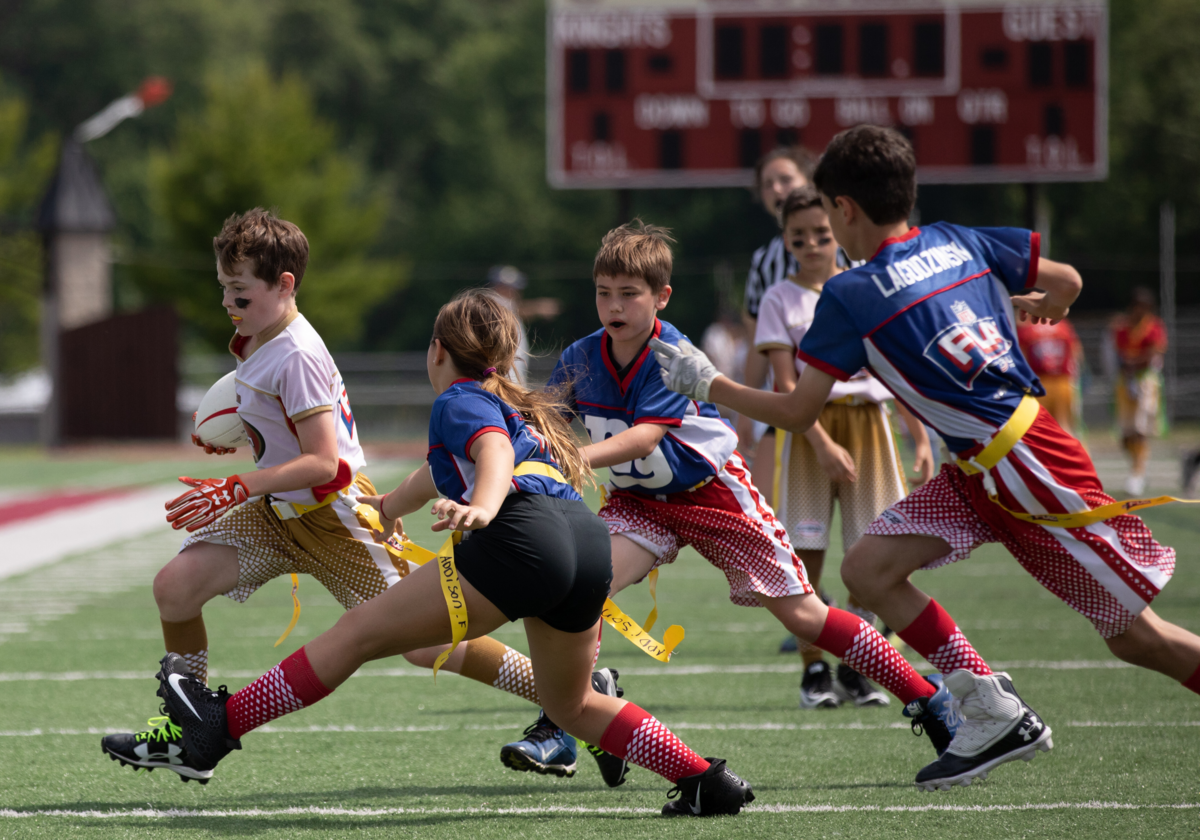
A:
934, 635
636, 736
858, 644
288, 687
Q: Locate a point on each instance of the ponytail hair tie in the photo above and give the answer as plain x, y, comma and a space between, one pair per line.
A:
488, 372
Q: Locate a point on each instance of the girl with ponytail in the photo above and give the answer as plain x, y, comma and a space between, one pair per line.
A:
503, 460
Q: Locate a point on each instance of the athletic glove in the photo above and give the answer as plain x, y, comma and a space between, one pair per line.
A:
210, 498
685, 369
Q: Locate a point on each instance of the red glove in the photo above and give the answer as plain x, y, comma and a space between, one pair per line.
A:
210, 498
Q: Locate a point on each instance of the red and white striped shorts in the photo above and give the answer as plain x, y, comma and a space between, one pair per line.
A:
1108, 572
727, 521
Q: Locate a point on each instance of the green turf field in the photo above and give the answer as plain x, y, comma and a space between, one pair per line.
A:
391, 754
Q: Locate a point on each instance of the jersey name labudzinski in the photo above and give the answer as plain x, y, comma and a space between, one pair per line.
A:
922, 266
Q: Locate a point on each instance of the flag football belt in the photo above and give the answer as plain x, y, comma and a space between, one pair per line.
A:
1004, 441
452, 590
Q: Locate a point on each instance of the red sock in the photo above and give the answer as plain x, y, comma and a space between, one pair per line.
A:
288, 687
1192, 683
935, 636
636, 736
860, 646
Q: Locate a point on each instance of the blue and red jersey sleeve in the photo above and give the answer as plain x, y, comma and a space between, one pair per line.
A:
461, 420
653, 402
1011, 253
833, 343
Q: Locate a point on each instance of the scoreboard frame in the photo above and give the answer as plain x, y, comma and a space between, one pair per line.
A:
640, 24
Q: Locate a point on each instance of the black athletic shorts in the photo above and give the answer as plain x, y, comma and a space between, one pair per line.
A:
543, 557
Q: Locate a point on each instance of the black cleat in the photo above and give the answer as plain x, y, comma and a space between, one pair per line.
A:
159, 746
853, 687
816, 688
199, 711
712, 793
994, 726
612, 769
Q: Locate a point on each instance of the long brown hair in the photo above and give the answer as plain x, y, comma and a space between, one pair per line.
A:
480, 332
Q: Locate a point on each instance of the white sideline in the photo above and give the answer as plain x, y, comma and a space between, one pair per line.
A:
31, 543
683, 725
168, 813
668, 671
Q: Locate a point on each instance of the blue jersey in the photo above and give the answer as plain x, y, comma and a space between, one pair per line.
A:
462, 413
930, 316
698, 442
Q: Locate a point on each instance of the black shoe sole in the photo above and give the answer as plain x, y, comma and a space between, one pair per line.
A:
150, 768
517, 760
961, 771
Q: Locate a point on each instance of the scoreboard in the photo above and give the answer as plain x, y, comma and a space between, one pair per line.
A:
687, 93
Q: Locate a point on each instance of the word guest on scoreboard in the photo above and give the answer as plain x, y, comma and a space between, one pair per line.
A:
683, 93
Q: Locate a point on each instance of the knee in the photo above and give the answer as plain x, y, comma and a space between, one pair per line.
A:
859, 573
170, 587
1139, 646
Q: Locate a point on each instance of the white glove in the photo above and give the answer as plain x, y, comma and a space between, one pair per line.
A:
685, 369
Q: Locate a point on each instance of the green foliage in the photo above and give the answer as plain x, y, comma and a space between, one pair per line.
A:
258, 142
23, 175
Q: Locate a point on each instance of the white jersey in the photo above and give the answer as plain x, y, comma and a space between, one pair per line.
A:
784, 317
288, 377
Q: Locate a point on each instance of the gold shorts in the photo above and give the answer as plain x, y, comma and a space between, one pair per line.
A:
804, 494
1059, 399
334, 544
1137, 403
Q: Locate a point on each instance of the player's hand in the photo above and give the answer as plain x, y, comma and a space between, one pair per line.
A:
836, 462
207, 500
1036, 307
924, 464
390, 526
208, 447
455, 517
685, 369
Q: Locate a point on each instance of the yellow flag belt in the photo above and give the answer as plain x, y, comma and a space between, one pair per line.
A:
1004, 441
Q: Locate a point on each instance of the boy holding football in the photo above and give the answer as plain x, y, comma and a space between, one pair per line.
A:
930, 314
296, 512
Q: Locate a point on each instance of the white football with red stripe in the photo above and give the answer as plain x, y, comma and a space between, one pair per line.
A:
217, 421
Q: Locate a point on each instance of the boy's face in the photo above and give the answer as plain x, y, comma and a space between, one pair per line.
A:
809, 237
836, 213
253, 306
627, 307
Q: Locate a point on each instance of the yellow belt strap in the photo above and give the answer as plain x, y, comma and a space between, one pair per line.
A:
1004, 441
539, 468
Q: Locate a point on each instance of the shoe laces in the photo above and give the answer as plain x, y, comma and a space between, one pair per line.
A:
162, 728
542, 730
954, 713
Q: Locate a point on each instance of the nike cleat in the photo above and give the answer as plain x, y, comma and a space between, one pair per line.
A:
712, 793
159, 746
199, 711
612, 769
816, 688
546, 749
993, 726
929, 715
852, 687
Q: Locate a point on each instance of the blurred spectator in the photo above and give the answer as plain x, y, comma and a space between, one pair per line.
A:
1056, 356
777, 173
1140, 340
508, 282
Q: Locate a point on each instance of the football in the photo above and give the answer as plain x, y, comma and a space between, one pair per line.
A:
217, 421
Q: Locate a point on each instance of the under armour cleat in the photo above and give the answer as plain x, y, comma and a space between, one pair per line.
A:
929, 715
159, 746
993, 726
546, 749
816, 688
852, 687
199, 712
712, 793
612, 769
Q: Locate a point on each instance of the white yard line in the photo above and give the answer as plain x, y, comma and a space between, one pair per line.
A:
752, 810
31, 543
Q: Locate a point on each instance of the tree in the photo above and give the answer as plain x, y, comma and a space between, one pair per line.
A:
258, 142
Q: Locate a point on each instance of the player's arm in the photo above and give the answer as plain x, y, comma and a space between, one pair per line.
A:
493, 455
835, 461
924, 456
408, 497
1057, 287
635, 442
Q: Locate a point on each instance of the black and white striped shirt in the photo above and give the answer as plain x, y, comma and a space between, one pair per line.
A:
770, 264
